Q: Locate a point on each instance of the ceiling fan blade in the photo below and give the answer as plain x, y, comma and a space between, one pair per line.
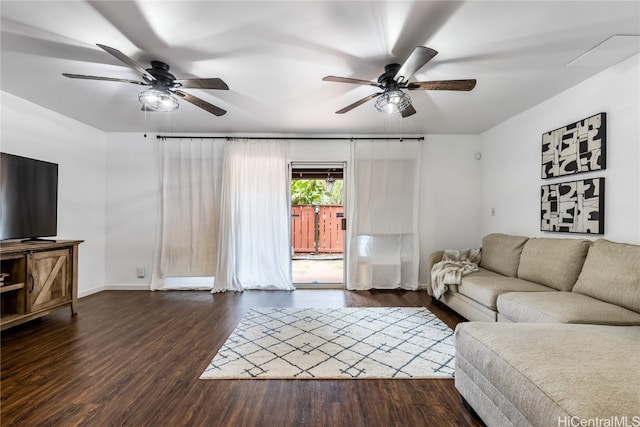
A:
200, 103
349, 80
209, 83
409, 111
462, 85
420, 56
130, 62
358, 103
109, 79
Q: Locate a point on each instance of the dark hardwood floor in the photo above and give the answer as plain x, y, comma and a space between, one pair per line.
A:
133, 358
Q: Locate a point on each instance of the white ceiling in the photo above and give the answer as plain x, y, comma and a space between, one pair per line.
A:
274, 54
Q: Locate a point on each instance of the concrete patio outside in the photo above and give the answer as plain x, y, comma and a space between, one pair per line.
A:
318, 269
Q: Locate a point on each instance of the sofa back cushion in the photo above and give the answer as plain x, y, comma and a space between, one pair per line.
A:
611, 273
553, 262
501, 253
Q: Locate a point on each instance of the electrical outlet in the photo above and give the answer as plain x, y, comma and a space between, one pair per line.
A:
141, 272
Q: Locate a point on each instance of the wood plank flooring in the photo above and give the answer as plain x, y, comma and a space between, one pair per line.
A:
133, 358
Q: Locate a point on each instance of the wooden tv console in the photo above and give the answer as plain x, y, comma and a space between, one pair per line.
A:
37, 277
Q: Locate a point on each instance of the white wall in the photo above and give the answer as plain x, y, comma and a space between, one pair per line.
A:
319, 151
33, 131
512, 156
133, 201
450, 196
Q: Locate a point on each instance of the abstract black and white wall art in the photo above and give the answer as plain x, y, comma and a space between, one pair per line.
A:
575, 148
573, 207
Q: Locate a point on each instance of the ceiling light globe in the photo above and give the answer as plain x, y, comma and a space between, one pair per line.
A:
158, 100
392, 101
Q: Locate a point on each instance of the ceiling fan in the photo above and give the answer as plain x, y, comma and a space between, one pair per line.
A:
159, 97
395, 78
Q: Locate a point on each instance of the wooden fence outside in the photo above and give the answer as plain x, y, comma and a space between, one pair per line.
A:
317, 229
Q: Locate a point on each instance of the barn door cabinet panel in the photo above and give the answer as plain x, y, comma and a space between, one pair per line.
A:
37, 277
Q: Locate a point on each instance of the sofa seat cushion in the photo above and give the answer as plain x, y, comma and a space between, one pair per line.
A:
486, 289
501, 253
611, 273
562, 307
482, 272
548, 372
553, 262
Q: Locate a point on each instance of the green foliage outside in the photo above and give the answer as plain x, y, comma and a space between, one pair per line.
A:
316, 192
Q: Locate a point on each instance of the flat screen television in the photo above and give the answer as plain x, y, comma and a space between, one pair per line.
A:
28, 198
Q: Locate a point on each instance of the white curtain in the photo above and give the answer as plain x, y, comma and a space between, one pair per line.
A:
187, 232
254, 251
383, 240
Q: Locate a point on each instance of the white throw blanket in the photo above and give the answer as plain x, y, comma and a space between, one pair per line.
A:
454, 265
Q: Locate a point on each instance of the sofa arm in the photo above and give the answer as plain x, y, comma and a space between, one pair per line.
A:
431, 260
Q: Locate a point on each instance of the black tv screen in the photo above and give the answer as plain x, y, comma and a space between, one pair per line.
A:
28, 198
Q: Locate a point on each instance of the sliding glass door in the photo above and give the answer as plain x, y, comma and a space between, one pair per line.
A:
317, 194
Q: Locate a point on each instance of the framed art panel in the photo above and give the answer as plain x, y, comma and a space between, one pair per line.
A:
575, 148
573, 207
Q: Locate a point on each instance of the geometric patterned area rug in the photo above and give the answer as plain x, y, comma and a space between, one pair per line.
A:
336, 343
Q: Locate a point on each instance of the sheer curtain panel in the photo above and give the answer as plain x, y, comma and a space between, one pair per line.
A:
188, 224
254, 250
383, 240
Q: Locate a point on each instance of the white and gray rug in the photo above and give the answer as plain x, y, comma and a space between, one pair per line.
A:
336, 343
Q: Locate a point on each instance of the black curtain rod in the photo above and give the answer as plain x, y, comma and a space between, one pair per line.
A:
308, 138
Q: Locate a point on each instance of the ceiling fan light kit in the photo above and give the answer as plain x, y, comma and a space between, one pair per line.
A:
393, 101
158, 100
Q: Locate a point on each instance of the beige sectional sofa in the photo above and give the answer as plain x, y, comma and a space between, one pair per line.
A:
550, 280
555, 332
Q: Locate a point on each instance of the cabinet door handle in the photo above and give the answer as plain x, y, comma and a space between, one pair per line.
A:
33, 283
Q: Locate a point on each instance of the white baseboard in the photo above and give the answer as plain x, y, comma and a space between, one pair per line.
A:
86, 292
113, 287
127, 287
